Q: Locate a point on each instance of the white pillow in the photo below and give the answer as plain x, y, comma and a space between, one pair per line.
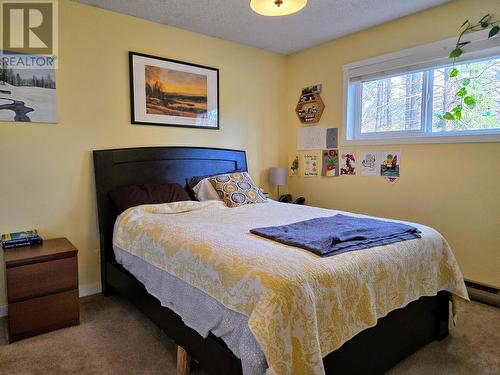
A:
204, 191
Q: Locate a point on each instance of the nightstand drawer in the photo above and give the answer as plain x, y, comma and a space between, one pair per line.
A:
43, 314
42, 278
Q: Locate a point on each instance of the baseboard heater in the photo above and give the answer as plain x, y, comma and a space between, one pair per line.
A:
483, 293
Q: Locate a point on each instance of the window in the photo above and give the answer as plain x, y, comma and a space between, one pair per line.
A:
392, 104
417, 96
483, 86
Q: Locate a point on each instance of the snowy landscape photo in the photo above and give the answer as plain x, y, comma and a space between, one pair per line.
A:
28, 95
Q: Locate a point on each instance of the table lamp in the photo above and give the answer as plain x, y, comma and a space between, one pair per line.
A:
278, 177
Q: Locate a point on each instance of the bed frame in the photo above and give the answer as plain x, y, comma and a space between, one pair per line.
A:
372, 351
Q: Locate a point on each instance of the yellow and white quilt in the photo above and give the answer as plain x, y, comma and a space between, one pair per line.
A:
300, 307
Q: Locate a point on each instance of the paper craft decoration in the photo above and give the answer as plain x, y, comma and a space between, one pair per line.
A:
369, 163
347, 163
330, 163
311, 137
389, 163
310, 165
293, 169
332, 137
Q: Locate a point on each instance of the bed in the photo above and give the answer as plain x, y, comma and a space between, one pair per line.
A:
372, 351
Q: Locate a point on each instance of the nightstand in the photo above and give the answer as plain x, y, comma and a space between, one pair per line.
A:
42, 288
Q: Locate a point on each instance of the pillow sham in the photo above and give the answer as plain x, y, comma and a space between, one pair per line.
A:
128, 196
195, 180
204, 191
237, 189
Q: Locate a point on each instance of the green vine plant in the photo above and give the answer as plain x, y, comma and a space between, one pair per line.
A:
467, 100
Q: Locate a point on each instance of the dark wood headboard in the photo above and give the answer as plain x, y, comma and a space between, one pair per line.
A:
129, 166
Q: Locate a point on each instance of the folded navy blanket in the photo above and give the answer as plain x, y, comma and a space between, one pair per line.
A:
338, 234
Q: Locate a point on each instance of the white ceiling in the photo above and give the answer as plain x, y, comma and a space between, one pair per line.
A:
318, 22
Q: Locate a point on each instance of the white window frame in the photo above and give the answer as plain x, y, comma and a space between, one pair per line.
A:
422, 58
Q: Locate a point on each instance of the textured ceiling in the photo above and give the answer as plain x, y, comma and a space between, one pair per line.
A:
319, 21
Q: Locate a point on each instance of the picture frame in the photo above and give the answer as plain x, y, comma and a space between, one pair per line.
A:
166, 92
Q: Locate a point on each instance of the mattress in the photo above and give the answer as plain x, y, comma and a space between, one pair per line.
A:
298, 307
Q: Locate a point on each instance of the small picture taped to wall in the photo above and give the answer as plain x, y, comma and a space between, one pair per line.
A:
330, 163
311, 137
369, 163
389, 163
293, 166
332, 137
310, 165
347, 163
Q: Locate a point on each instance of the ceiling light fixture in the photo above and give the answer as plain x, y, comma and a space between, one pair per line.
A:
277, 7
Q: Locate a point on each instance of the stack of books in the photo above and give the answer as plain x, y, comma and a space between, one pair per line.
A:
27, 238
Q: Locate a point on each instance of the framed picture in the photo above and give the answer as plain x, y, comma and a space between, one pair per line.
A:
173, 93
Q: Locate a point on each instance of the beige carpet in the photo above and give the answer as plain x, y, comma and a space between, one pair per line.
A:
114, 338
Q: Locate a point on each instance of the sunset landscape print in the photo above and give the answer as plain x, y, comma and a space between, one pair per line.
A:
175, 93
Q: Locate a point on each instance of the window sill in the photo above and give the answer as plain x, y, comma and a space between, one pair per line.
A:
444, 138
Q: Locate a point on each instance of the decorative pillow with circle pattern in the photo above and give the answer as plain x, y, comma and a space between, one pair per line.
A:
237, 189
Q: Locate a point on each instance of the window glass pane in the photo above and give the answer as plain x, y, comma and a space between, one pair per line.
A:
392, 104
478, 84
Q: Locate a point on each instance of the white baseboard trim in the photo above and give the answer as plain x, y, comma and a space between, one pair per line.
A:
83, 291
89, 289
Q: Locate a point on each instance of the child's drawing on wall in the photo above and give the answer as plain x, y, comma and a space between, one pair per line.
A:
330, 165
347, 163
390, 164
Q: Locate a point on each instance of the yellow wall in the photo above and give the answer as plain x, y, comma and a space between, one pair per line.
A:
454, 188
49, 171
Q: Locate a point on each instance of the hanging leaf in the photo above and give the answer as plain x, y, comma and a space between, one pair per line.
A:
494, 31
485, 21
449, 116
457, 52
457, 112
465, 98
485, 18
461, 93
470, 101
